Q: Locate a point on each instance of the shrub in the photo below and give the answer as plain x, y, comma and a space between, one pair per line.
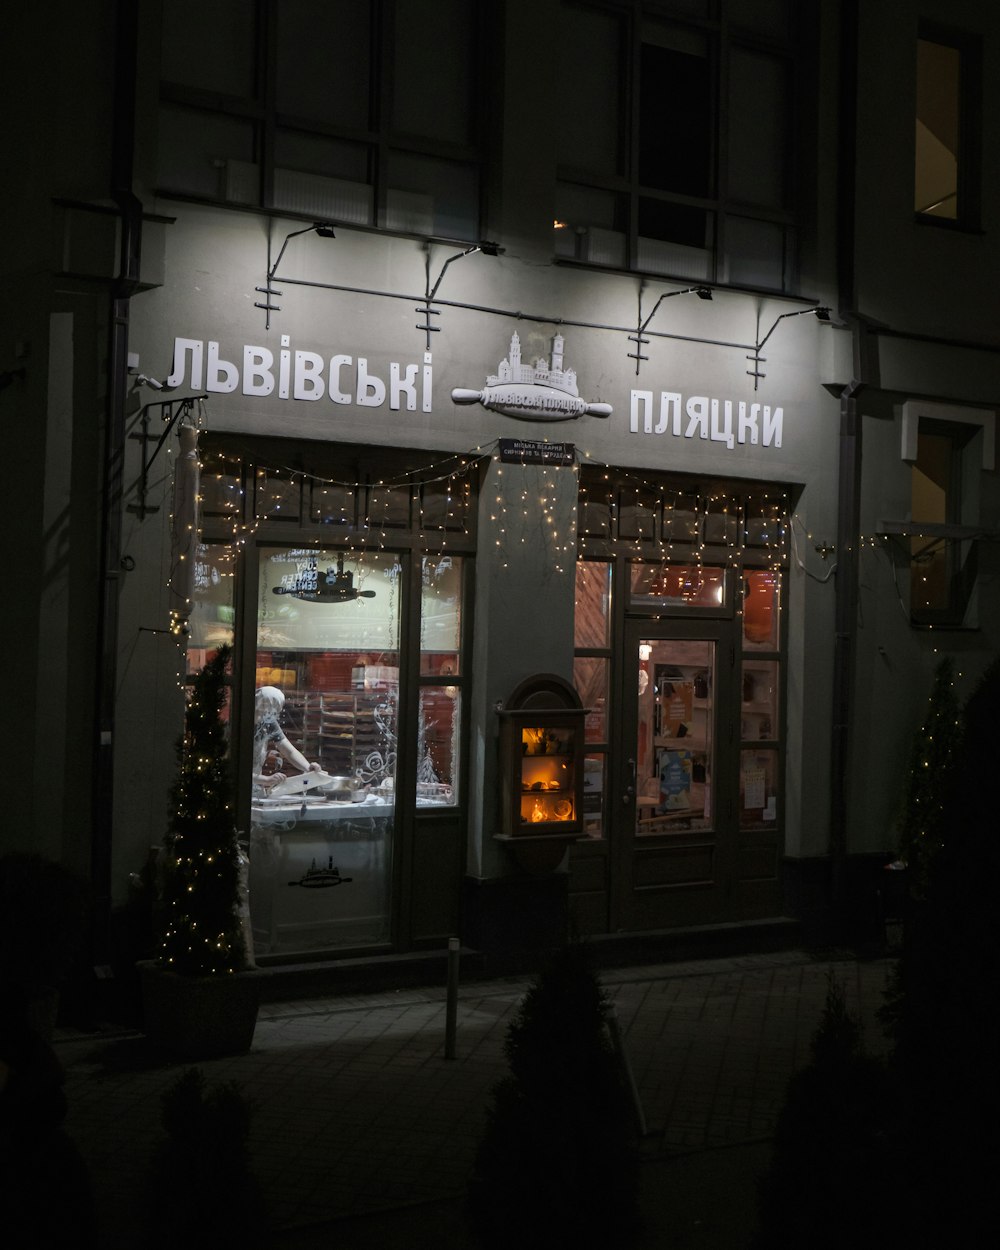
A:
558, 1162
204, 1193
831, 1180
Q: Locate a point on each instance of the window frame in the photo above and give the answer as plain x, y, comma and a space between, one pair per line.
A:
968, 216
380, 141
953, 532
720, 210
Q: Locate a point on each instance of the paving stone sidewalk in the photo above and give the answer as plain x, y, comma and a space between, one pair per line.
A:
358, 1112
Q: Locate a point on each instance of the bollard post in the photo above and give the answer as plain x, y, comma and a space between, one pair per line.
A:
618, 1042
451, 1006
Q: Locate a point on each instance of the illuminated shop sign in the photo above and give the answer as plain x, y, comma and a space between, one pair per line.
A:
700, 416
302, 375
543, 391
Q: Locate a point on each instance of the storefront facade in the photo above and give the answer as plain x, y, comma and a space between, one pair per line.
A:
406, 456
395, 560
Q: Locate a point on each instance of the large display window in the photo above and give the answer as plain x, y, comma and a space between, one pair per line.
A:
340, 573
323, 775
323, 768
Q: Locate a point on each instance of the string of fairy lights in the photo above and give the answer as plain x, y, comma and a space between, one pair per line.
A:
640, 513
670, 522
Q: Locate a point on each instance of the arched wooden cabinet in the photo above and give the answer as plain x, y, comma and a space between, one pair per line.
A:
541, 761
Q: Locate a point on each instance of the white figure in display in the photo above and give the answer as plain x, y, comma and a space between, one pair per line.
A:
269, 736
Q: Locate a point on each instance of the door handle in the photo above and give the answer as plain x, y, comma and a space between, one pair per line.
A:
629, 793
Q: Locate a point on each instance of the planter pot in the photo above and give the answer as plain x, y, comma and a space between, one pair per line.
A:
199, 1017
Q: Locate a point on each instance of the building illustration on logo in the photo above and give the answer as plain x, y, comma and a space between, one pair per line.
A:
544, 391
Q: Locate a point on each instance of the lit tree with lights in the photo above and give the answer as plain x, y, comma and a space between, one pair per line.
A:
202, 933
933, 758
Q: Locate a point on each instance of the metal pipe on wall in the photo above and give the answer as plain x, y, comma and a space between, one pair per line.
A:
849, 466
123, 287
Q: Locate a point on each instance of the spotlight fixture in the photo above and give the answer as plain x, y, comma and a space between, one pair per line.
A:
323, 229
821, 313
703, 292
486, 246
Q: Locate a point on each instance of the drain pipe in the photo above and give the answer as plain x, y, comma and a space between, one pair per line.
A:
122, 289
845, 625
849, 465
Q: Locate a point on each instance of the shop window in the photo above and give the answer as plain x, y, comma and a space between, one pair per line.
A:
593, 604
591, 679
278, 496
761, 609
212, 621
352, 702
388, 507
442, 681
444, 505
758, 789
681, 519
688, 174
677, 587
221, 486
333, 503
595, 509
348, 121
326, 711
764, 522
637, 514
946, 166
760, 700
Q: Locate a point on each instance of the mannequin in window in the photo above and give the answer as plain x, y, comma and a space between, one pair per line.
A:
269, 738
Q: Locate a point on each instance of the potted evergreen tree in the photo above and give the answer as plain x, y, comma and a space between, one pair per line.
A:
200, 999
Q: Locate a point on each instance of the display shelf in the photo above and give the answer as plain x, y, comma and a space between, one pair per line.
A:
541, 761
339, 729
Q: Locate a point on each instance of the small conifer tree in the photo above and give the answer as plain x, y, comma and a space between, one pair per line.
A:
203, 1193
929, 777
944, 1003
558, 1162
201, 928
834, 1179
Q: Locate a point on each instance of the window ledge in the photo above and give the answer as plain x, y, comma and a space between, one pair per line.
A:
928, 529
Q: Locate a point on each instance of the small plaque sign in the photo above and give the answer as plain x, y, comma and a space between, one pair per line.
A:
530, 451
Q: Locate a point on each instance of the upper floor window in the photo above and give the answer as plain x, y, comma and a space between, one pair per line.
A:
945, 181
360, 111
943, 500
681, 167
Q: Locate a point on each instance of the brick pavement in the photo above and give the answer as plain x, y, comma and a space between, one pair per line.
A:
356, 1110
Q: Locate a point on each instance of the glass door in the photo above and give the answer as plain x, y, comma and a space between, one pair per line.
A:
675, 735
674, 827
